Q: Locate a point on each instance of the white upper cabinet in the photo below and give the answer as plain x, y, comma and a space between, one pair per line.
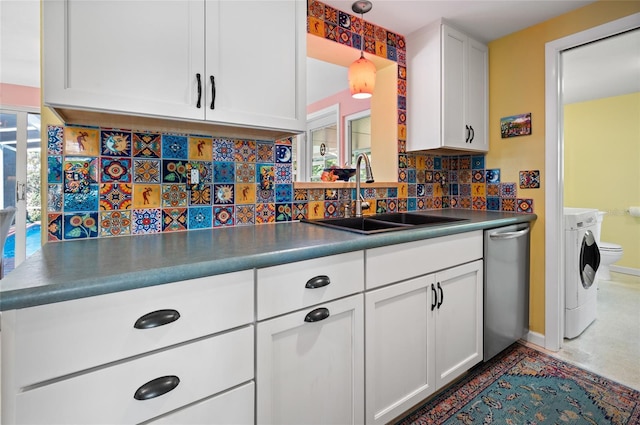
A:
224, 62
447, 80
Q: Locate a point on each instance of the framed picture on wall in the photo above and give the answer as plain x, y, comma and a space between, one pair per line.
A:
515, 125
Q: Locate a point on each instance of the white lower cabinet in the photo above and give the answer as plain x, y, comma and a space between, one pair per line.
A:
312, 371
458, 320
400, 367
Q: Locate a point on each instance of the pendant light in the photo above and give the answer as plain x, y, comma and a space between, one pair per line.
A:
362, 73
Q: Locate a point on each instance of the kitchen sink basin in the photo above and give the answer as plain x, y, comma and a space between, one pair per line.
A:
382, 222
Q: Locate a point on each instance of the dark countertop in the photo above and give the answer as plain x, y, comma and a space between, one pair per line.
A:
64, 271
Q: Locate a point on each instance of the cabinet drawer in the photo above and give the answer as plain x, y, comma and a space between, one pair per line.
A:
284, 288
57, 339
106, 395
233, 407
394, 263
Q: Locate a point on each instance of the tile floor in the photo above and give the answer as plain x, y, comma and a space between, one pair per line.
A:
610, 346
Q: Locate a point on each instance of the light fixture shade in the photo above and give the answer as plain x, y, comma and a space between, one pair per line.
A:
362, 78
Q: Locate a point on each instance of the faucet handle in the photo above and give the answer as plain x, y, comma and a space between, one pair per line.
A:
365, 205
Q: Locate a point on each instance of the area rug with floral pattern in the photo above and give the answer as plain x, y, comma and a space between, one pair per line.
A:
525, 386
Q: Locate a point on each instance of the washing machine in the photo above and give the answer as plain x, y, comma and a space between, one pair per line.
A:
582, 259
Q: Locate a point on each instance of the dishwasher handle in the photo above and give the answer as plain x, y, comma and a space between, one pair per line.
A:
509, 235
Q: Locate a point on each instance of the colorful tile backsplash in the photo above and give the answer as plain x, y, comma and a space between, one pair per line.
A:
104, 182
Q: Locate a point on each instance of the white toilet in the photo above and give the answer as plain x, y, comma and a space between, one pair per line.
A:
609, 252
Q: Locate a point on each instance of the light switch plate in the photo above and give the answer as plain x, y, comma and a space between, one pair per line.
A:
195, 176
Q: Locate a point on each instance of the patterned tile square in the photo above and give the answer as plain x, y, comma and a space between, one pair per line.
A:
493, 189
300, 210
146, 170
200, 149
245, 193
200, 218
174, 195
223, 150
54, 169
284, 193
115, 196
200, 194
147, 145
146, 221
477, 176
300, 195
508, 204
530, 179
283, 212
80, 225
54, 197
174, 219
115, 143
493, 203
507, 190
79, 173
392, 205
146, 196
174, 171
265, 195
465, 190
223, 194
115, 223
55, 139
331, 209
85, 200
478, 189
464, 162
525, 205
331, 194
283, 173
265, 151
402, 175
316, 209
283, 154
81, 141
477, 162
223, 216
245, 214
115, 170
265, 176
265, 213
54, 227
175, 146
223, 172
245, 172
245, 151
492, 176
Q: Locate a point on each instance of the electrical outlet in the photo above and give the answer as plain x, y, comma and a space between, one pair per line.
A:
195, 176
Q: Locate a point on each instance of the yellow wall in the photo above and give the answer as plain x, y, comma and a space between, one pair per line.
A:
602, 166
516, 86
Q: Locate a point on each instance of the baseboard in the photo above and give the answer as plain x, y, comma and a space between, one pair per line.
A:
625, 270
535, 338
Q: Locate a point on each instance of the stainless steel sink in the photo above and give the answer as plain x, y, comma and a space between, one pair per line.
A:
379, 223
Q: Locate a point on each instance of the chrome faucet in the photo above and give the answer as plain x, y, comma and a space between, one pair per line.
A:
360, 202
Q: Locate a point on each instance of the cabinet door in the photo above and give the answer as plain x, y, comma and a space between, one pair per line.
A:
477, 98
454, 88
256, 54
312, 372
140, 57
400, 359
458, 321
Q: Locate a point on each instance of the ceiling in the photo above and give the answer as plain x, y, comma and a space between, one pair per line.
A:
485, 20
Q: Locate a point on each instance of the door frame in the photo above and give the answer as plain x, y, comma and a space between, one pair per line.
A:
554, 166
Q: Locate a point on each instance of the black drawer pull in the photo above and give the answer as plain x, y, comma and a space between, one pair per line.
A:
434, 297
318, 282
199, 91
156, 387
441, 295
213, 92
156, 318
317, 315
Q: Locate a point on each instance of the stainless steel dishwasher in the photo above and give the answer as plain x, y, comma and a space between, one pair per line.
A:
506, 287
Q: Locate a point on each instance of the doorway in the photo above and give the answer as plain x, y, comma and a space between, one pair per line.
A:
20, 134
554, 195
